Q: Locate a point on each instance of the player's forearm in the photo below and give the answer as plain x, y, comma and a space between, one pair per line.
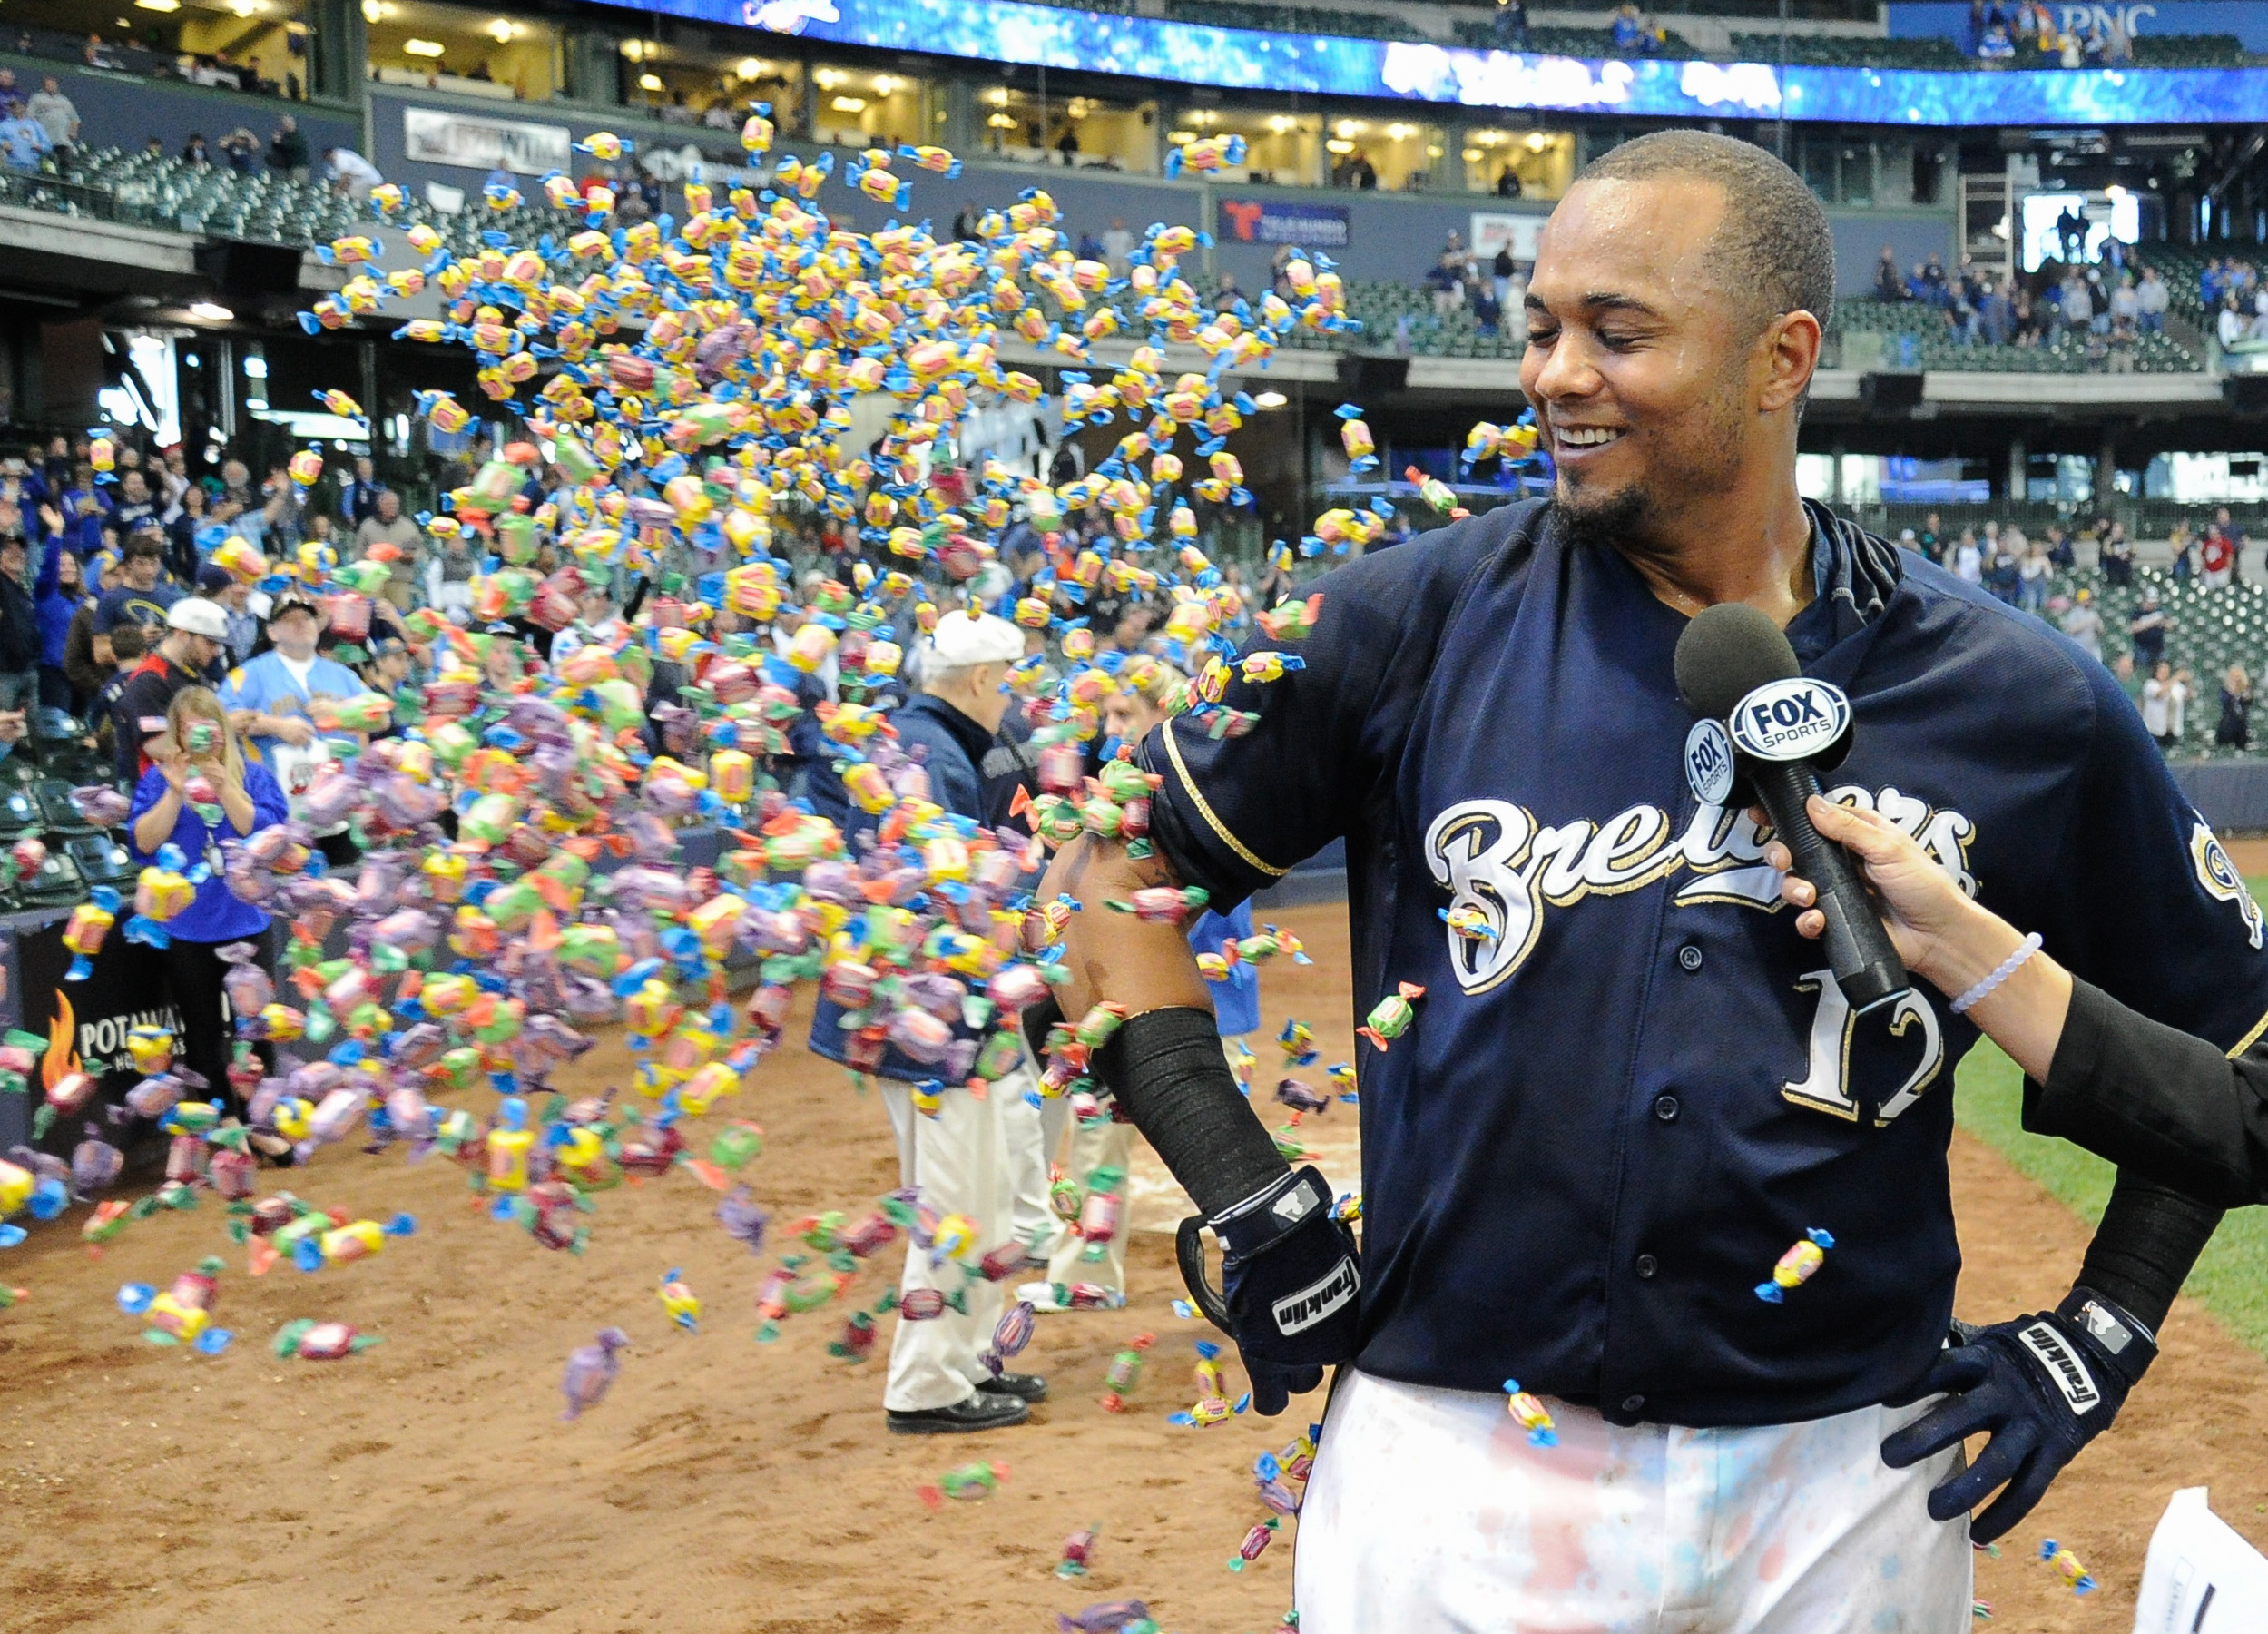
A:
1142, 964
2147, 1247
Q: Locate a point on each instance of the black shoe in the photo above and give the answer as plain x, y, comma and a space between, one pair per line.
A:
975, 1411
1015, 1386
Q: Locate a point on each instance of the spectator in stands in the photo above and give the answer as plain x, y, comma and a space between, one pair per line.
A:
2118, 44
287, 150
1994, 316
1888, 284
140, 597
2123, 338
241, 149
1487, 310
385, 525
2067, 50
1505, 272
2060, 550
2094, 48
2083, 621
2151, 299
349, 172
2004, 576
1968, 560
2182, 550
23, 139
2165, 702
1962, 319
194, 738
2234, 728
1446, 281
359, 491
2230, 327
1510, 28
1507, 183
190, 644
1930, 541
2148, 629
1996, 47
1627, 28
2033, 573
194, 150
19, 626
1118, 246
57, 597
218, 586
58, 116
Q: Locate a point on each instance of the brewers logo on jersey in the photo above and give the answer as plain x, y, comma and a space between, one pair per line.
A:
1640, 1085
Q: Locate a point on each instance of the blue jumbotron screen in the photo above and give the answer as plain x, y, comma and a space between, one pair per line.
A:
1247, 59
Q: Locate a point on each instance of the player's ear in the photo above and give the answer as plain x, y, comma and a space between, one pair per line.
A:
1789, 353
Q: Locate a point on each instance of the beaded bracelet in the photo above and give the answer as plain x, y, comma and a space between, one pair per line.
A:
2000, 973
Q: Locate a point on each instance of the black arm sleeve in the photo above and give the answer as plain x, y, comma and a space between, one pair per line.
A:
2149, 1240
2155, 1101
1173, 1084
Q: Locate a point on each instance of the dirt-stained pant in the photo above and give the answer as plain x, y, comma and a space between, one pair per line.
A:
1430, 1511
959, 1161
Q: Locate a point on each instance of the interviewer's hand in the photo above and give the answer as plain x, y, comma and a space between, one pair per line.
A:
1928, 916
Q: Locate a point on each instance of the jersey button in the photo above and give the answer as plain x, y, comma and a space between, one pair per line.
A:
1633, 1404
1689, 958
1647, 1265
1665, 1108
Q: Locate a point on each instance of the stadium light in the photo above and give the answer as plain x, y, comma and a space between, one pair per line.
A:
424, 48
159, 5
749, 69
848, 104
650, 82
211, 311
1270, 400
502, 31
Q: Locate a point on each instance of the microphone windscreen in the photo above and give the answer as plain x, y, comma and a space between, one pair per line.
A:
1726, 652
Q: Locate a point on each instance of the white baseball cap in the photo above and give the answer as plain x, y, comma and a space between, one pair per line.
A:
198, 617
962, 639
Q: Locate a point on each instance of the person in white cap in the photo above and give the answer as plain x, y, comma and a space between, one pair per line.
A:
196, 632
958, 1157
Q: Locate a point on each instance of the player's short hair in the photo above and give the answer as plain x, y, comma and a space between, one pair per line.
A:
1774, 240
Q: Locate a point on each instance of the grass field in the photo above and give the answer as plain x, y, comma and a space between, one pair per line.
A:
2231, 1280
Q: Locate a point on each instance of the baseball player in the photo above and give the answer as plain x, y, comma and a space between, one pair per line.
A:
1629, 1084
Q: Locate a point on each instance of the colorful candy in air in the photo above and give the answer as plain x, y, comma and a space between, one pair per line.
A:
1354, 436
1255, 1541
1205, 155
605, 145
590, 1371
1298, 1042
2066, 1565
182, 1313
1390, 1016
311, 1341
1797, 1266
679, 1301
83, 933
1531, 1415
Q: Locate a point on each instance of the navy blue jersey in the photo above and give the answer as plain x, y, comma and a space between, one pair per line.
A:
1610, 1118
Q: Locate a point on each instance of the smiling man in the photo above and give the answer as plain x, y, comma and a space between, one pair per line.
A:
1628, 1086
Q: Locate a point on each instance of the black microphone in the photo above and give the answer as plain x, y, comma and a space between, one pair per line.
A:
1775, 729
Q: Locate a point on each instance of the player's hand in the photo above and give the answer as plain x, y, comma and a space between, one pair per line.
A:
1924, 910
2042, 1386
1142, 964
1291, 1285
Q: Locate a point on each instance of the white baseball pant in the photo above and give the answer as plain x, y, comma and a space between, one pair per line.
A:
959, 1161
1429, 1513
1107, 1143
1033, 1134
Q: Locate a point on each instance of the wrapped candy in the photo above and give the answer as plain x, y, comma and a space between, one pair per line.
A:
679, 1302
1797, 1266
590, 1371
1530, 1414
2066, 1565
309, 1341
83, 933
1390, 1016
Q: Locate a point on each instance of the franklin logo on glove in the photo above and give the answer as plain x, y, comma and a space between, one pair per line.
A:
2063, 1367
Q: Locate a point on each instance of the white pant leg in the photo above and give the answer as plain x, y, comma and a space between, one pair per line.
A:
1105, 1144
1035, 1134
960, 1165
1429, 1512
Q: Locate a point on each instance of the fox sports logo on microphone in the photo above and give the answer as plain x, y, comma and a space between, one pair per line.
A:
1791, 719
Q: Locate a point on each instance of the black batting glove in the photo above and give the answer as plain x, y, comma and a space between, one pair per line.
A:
1291, 1282
2042, 1386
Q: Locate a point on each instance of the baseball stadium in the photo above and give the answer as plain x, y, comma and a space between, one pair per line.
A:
1164, 817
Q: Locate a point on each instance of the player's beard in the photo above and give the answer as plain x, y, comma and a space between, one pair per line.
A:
1704, 453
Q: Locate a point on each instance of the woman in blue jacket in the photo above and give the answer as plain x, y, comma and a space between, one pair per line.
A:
57, 595
245, 798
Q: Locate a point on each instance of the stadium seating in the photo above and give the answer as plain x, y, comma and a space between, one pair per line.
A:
1918, 338
1845, 51
1575, 42
2212, 629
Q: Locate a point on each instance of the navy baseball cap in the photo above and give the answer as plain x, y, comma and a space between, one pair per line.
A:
212, 579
